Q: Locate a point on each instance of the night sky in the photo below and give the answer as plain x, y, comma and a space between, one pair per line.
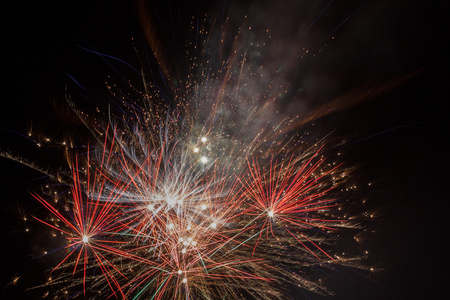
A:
397, 139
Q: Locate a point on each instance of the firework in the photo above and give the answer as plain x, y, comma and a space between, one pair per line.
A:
206, 195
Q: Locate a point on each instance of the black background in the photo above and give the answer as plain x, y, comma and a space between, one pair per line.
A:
398, 140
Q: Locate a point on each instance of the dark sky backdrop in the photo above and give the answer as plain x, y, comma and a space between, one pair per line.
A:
406, 155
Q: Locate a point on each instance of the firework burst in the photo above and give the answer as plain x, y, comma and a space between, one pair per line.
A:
203, 194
